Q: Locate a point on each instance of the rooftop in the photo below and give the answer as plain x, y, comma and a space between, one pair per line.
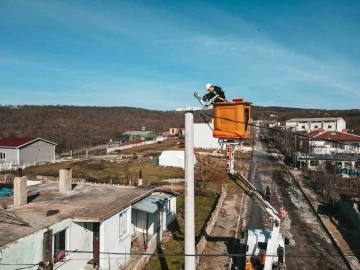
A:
332, 135
137, 133
337, 156
314, 119
18, 142
85, 203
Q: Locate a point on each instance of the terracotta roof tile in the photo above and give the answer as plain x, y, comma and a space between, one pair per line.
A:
14, 142
337, 136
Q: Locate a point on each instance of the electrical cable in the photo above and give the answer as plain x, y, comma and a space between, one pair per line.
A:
304, 254
277, 130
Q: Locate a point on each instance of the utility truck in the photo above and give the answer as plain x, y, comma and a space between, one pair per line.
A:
265, 248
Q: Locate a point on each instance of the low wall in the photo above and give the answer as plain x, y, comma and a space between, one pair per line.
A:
211, 223
145, 258
112, 149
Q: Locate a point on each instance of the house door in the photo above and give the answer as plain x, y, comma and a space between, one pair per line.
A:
96, 241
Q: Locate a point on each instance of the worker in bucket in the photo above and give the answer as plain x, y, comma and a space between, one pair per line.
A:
213, 91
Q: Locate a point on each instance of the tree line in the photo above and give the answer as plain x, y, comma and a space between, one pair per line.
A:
73, 127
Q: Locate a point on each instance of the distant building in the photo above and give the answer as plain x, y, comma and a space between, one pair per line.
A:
174, 131
203, 136
143, 135
281, 125
327, 142
23, 152
310, 124
319, 162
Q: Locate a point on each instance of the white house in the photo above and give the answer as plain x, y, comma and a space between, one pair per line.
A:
310, 124
22, 152
73, 226
203, 136
331, 142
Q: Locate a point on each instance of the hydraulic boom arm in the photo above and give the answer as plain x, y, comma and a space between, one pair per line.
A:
251, 191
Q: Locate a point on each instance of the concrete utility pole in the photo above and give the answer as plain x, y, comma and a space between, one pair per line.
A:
190, 261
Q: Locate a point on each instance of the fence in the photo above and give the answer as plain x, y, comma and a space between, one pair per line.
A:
113, 149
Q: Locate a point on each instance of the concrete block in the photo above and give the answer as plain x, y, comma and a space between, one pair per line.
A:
20, 191
65, 180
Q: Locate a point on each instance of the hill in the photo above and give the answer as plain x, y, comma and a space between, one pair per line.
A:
72, 127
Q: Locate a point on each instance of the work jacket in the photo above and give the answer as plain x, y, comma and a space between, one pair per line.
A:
217, 91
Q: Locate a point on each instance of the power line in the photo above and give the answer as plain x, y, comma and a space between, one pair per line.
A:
304, 254
297, 254
277, 130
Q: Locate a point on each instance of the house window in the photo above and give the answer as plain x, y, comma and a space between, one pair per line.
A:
338, 164
2, 155
303, 127
329, 126
314, 163
315, 126
348, 164
123, 228
59, 242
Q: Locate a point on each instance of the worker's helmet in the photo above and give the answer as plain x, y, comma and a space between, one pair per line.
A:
208, 85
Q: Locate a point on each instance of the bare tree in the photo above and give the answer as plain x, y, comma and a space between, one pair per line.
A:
206, 167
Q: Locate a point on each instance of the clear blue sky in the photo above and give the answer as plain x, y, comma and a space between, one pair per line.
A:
155, 54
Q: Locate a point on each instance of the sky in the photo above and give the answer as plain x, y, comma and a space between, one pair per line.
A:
156, 54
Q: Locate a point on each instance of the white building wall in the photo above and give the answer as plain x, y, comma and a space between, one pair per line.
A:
110, 241
203, 136
329, 125
338, 125
170, 214
11, 158
341, 124
39, 151
81, 238
153, 223
301, 126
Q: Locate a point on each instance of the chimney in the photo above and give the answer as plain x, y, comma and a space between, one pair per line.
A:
20, 191
140, 179
65, 180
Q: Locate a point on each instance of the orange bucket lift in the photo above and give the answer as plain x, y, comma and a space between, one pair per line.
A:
231, 124
232, 119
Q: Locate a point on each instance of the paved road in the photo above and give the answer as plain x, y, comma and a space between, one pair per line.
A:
310, 247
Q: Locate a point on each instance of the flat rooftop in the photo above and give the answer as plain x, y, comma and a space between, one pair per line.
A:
314, 119
84, 203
